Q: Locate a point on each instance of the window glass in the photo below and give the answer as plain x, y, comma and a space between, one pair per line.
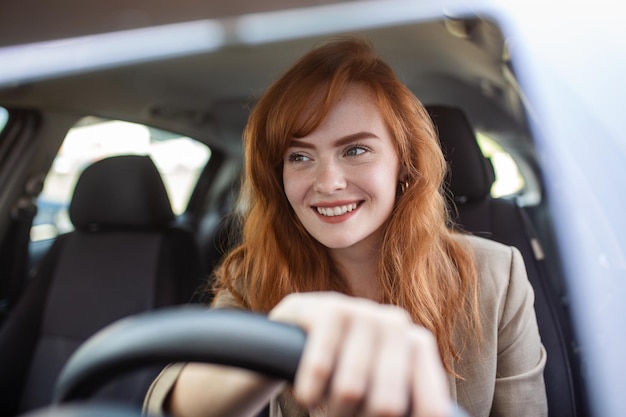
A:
509, 180
179, 159
4, 117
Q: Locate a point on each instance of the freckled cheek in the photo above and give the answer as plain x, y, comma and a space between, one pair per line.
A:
380, 181
382, 188
294, 188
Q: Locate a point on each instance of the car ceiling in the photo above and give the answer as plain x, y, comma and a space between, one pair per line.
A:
25, 21
207, 95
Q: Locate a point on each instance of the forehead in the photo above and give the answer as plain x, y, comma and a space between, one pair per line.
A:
356, 109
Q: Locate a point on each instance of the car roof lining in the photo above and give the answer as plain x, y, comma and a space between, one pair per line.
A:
436, 63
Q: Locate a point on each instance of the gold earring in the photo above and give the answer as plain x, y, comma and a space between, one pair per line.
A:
402, 187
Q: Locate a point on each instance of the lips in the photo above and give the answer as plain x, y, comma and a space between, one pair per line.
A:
333, 211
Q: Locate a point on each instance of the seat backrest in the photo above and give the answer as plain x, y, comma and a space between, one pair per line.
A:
469, 181
124, 257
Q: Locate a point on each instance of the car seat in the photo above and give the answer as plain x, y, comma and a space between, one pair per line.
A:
125, 256
469, 181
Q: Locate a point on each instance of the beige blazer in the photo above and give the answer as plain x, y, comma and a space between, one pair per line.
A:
502, 377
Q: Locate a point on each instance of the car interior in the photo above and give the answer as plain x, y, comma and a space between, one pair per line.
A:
123, 257
129, 248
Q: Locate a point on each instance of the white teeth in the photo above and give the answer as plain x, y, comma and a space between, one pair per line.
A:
336, 211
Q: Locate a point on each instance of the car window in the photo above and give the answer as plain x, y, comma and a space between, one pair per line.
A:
179, 159
4, 117
509, 180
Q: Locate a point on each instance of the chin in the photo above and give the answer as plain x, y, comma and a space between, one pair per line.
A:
339, 243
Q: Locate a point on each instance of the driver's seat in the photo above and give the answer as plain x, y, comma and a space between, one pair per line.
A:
124, 257
503, 220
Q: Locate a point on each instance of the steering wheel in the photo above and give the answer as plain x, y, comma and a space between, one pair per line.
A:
189, 334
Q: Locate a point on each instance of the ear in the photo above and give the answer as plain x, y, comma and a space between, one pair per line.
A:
403, 173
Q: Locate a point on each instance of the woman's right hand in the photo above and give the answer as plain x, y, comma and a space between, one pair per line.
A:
364, 358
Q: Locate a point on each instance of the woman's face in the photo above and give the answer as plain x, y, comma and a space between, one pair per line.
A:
341, 179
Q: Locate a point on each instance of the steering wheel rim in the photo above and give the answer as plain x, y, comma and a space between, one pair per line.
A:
189, 334
184, 334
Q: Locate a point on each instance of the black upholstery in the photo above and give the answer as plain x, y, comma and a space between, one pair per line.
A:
470, 179
124, 257
121, 192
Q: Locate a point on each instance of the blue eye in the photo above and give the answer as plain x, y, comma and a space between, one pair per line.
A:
356, 150
297, 157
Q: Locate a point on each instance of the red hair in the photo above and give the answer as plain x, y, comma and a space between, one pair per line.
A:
423, 268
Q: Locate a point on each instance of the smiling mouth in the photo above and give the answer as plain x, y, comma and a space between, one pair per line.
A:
336, 211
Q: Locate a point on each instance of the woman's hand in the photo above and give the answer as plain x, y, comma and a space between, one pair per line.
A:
365, 358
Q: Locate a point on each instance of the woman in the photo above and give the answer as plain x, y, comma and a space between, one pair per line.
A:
345, 233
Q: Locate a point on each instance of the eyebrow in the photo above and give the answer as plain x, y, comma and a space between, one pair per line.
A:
339, 142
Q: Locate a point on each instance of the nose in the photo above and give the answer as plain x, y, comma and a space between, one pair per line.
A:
329, 177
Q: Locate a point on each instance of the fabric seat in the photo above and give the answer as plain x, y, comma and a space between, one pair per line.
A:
470, 179
124, 257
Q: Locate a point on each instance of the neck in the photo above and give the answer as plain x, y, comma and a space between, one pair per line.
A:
359, 269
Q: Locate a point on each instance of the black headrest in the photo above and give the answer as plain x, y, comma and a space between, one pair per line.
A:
471, 174
123, 191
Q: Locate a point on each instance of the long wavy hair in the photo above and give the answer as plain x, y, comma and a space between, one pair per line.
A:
423, 267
